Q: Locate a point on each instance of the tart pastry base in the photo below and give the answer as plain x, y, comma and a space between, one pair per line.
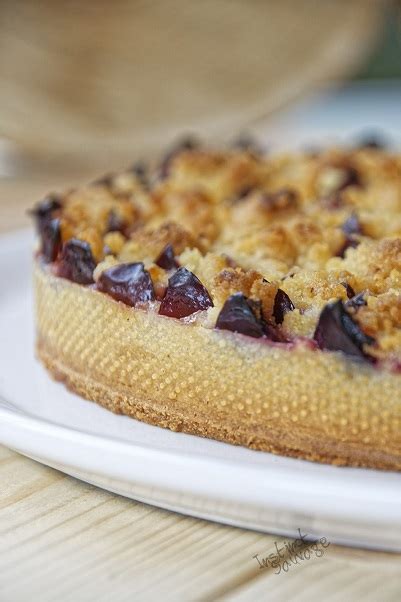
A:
295, 401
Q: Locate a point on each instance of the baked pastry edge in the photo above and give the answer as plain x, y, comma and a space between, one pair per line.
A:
122, 364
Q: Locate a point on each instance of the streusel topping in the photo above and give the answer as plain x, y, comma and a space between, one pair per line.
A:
298, 245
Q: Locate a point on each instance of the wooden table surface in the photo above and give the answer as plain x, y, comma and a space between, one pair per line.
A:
65, 540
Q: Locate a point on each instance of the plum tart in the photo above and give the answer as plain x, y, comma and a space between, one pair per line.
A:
236, 295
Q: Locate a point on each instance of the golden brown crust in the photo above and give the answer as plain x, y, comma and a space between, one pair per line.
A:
273, 440
217, 384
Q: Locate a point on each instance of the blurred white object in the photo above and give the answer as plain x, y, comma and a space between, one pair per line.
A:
338, 116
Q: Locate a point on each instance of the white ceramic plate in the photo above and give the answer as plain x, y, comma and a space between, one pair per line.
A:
196, 476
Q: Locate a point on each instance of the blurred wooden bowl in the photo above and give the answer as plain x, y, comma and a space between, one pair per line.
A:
103, 82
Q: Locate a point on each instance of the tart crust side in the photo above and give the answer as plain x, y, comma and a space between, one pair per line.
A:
295, 402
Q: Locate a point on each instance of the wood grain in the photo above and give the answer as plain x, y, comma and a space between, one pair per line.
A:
61, 539
65, 540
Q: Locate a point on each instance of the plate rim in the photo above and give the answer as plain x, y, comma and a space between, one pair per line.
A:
32, 435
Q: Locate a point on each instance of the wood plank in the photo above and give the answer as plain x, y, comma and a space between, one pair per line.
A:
80, 540
325, 579
83, 543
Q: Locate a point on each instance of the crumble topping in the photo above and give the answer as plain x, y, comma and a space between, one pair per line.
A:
296, 245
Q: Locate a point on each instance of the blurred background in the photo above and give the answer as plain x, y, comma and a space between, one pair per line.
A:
91, 87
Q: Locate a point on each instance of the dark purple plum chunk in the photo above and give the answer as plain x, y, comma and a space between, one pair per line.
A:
128, 282
349, 290
374, 141
45, 210
338, 331
140, 171
77, 262
352, 225
238, 315
184, 296
48, 226
166, 259
115, 223
185, 144
282, 305
356, 301
50, 235
350, 243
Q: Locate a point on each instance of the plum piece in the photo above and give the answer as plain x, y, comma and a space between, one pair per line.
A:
50, 235
352, 225
127, 282
374, 141
140, 171
48, 226
115, 223
337, 331
356, 301
238, 315
349, 290
350, 243
166, 259
185, 144
45, 210
282, 305
76, 262
184, 296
